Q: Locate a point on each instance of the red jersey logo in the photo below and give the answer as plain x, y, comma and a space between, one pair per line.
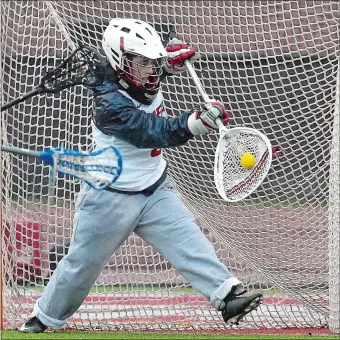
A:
159, 110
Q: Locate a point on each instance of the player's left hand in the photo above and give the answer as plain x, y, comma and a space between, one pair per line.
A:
178, 52
201, 122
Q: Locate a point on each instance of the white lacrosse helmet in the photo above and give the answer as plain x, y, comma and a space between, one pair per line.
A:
123, 41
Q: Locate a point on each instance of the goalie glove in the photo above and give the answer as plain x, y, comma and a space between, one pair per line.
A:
179, 51
201, 122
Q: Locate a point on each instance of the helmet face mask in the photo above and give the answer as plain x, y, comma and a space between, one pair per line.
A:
142, 71
136, 53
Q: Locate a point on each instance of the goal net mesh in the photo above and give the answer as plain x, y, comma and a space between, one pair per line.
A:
274, 64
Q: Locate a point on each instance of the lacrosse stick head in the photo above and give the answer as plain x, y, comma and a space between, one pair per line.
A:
232, 180
99, 168
85, 66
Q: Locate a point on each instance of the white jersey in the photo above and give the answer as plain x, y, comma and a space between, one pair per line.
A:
141, 167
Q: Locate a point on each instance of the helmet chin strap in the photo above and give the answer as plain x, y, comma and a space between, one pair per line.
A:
123, 83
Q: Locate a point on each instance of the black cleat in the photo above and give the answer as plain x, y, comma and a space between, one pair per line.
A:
33, 325
237, 306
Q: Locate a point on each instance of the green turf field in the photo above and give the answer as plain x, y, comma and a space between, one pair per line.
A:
115, 336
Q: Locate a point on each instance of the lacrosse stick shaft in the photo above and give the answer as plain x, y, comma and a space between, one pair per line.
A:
197, 81
200, 88
20, 151
20, 99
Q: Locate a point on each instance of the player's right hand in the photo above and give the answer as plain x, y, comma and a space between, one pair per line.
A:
201, 122
179, 51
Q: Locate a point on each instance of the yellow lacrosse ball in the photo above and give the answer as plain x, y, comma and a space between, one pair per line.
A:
248, 160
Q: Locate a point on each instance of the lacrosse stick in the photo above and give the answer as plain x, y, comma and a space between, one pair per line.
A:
91, 168
232, 180
85, 66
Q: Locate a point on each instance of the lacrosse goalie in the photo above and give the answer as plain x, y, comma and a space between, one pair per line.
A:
129, 114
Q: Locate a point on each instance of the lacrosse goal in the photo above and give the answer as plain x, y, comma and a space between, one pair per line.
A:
275, 65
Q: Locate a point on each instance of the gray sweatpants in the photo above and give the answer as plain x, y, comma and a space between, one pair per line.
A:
103, 221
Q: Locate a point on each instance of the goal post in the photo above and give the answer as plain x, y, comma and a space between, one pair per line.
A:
334, 218
275, 65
